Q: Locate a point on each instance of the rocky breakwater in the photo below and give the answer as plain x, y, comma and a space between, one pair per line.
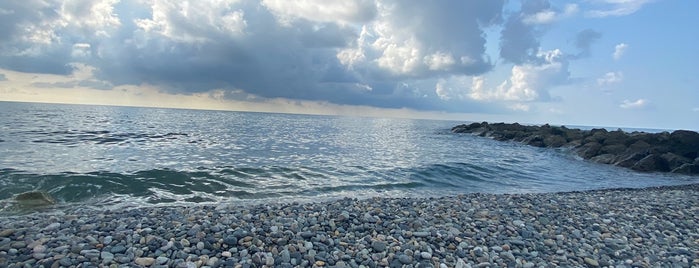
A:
676, 152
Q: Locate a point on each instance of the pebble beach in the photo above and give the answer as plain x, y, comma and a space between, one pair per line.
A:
650, 227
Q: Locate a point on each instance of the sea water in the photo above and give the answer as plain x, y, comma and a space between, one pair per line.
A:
127, 156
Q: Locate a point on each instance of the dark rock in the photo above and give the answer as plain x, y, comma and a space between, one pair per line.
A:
648, 152
652, 162
555, 141
684, 143
35, 198
604, 158
687, 169
613, 149
617, 137
536, 140
630, 160
638, 146
589, 150
674, 161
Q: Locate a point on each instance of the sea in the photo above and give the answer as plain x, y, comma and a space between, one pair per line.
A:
109, 157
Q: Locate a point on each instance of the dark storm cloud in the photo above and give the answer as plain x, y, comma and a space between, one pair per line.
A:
26, 38
244, 45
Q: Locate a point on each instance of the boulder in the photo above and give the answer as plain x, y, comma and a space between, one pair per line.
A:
617, 137
684, 143
613, 149
604, 158
651, 162
689, 169
674, 152
674, 161
535, 140
555, 141
34, 199
630, 160
638, 147
589, 150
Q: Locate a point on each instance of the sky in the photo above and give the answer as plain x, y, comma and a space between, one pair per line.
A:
618, 63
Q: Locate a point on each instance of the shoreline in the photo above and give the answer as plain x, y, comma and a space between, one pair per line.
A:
644, 227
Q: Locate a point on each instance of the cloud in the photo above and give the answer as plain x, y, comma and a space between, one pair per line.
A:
528, 82
619, 50
695, 109
584, 40
3, 77
637, 104
551, 15
351, 11
409, 39
519, 107
519, 40
384, 53
610, 78
607, 8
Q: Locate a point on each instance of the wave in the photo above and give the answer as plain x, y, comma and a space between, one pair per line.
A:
98, 137
162, 186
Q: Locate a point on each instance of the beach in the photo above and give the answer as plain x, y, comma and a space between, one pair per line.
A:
650, 227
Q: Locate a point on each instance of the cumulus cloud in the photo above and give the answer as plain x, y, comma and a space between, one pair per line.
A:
528, 82
607, 8
519, 39
637, 104
551, 15
619, 50
385, 53
410, 39
350, 11
610, 78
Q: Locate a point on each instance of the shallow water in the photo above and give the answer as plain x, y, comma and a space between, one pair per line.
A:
126, 156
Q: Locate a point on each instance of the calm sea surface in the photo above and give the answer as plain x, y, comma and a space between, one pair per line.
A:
125, 156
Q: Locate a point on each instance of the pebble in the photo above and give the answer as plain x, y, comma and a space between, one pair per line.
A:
161, 260
591, 262
144, 261
473, 230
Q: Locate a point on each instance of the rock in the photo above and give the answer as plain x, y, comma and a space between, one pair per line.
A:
106, 256
604, 158
555, 141
591, 262
508, 256
52, 226
405, 259
117, 249
35, 199
6, 232
674, 161
378, 246
589, 150
629, 150
144, 261
161, 260
687, 169
650, 163
684, 143
421, 234
630, 160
